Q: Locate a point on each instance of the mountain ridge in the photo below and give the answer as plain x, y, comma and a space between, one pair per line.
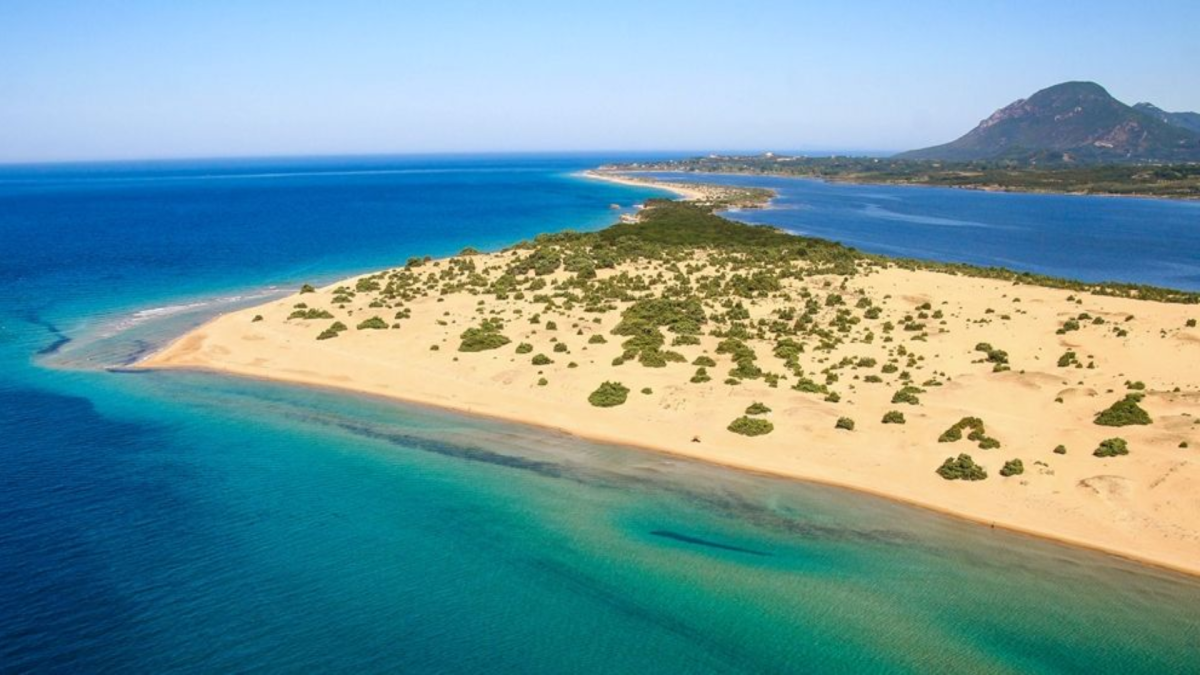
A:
1073, 122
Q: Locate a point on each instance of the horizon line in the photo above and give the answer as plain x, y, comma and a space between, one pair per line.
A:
451, 153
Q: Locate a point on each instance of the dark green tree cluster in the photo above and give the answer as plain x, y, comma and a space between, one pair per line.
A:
961, 468
1013, 467
1111, 447
977, 433
1124, 413
484, 337
751, 426
609, 394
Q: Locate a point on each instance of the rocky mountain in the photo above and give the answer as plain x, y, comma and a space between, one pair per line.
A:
1073, 122
1186, 120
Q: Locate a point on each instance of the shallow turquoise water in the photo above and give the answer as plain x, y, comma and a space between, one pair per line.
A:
172, 522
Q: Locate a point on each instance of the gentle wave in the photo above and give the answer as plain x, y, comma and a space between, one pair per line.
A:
129, 321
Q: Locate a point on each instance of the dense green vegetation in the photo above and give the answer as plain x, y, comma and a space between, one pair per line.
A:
1176, 180
1013, 467
751, 426
486, 336
961, 468
1124, 413
977, 433
1112, 447
609, 394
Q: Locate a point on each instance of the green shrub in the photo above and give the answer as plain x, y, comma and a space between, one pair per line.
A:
524, 348
1013, 467
701, 376
486, 336
307, 288
705, 361
332, 331
907, 395
1123, 413
647, 391
257, 318
751, 426
1112, 447
893, 417
757, 408
311, 313
844, 423
561, 347
542, 360
977, 433
1060, 449
543, 381
951, 435
1067, 359
961, 468
373, 323
609, 394
597, 339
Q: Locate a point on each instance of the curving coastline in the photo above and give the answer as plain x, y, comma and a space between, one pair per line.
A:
1139, 507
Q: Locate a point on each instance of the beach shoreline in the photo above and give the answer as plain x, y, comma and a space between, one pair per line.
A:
240, 343
151, 363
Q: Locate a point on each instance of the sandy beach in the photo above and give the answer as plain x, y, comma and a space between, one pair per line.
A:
925, 333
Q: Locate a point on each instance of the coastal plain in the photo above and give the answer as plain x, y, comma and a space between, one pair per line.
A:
684, 333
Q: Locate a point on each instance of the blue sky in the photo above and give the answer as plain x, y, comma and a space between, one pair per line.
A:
133, 79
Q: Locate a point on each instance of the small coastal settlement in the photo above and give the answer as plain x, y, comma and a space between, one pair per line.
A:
1064, 409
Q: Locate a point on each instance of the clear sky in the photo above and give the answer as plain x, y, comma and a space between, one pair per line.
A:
97, 79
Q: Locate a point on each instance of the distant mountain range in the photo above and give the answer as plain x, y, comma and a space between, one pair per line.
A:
1075, 122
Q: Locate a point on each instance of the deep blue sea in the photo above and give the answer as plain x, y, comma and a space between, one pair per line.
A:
172, 522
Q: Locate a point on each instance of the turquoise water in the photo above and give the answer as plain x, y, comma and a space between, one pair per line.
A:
171, 522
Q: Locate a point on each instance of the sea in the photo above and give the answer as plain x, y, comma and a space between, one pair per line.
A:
169, 522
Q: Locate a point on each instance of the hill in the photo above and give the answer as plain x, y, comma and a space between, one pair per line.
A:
1073, 122
1185, 120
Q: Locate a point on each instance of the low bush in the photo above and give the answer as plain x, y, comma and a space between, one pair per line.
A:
542, 360
373, 323
893, 417
844, 423
757, 408
486, 336
907, 395
961, 468
1013, 467
609, 394
751, 426
1112, 447
1068, 359
1124, 413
